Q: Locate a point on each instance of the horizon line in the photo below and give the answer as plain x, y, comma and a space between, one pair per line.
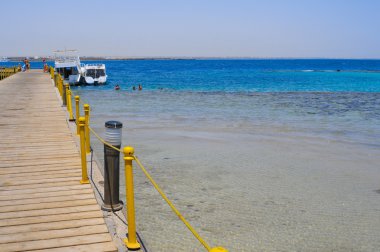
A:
197, 57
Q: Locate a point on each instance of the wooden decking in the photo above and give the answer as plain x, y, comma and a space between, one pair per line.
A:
43, 207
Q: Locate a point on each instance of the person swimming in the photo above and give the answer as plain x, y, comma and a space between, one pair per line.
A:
140, 87
117, 87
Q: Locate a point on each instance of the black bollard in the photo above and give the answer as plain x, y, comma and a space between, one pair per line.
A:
112, 167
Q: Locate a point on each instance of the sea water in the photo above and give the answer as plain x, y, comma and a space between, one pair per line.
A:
338, 99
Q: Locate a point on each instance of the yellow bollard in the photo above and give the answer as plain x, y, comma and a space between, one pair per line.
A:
69, 105
59, 83
131, 242
66, 93
55, 79
58, 80
61, 86
77, 98
86, 109
82, 125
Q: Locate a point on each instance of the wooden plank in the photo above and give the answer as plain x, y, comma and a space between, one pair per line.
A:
44, 185
48, 156
78, 196
51, 234
11, 182
53, 188
42, 174
56, 225
50, 218
45, 194
105, 247
57, 162
34, 146
55, 243
41, 168
44, 212
16, 208
47, 152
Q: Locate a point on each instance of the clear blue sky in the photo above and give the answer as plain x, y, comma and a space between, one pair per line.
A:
206, 28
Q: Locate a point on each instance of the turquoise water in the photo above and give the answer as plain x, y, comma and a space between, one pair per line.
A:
243, 75
247, 75
333, 99
291, 97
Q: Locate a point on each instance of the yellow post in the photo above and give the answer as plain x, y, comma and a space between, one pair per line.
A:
86, 109
59, 83
55, 79
69, 105
77, 98
131, 241
61, 86
58, 80
82, 125
66, 93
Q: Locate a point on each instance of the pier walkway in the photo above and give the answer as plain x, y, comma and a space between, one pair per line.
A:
43, 207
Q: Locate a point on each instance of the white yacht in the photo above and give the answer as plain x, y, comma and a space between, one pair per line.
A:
4, 59
68, 64
95, 74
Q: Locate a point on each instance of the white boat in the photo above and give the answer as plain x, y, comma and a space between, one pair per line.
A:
4, 59
68, 65
95, 74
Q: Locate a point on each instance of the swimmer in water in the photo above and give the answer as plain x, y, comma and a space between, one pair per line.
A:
117, 87
140, 87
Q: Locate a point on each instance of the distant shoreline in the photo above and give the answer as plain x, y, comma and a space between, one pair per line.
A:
92, 58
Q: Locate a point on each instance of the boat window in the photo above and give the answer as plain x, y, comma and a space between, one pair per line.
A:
100, 72
74, 71
90, 73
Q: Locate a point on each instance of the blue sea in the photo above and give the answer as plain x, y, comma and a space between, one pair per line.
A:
332, 99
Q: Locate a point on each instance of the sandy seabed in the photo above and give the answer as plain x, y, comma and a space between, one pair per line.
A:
255, 191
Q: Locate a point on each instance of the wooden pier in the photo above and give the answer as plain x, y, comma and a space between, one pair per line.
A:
43, 207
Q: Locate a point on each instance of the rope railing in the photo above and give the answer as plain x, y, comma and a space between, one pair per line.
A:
175, 210
103, 141
163, 195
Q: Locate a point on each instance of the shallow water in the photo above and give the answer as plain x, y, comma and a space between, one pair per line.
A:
352, 117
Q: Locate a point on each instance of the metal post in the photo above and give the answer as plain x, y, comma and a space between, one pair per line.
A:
131, 241
112, 167
82, 125
77, 98
86, 109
